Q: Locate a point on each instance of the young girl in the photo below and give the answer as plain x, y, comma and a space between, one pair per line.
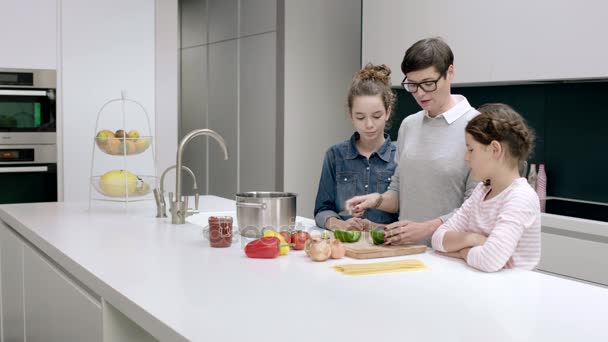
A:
365, 163
499, 225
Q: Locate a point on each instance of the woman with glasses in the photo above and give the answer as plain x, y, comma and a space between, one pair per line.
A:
432, 178
365, 163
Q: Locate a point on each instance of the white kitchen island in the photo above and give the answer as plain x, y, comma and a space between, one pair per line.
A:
131, 270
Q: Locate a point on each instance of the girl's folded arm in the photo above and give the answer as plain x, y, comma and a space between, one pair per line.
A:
459, 222
500, 245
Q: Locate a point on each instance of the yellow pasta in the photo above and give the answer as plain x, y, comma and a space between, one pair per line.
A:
382, 267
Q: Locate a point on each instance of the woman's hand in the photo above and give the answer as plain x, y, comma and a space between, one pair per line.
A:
402, 232
369, 225
359, 204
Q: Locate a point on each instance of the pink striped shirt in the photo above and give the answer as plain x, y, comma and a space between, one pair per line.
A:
511, 221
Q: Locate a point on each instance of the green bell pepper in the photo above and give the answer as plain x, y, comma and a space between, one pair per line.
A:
377, 236
347, 235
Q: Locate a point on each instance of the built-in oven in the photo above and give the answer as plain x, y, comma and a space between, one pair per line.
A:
28, 138
27, 106
28, 173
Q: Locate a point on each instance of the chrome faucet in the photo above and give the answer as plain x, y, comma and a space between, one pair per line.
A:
159, 194
179, 206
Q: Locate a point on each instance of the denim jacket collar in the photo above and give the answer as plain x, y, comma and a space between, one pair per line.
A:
384, 152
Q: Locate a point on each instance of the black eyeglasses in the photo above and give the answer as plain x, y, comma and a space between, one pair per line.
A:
427, 86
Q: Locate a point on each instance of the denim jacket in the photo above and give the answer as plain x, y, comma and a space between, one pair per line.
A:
346, 173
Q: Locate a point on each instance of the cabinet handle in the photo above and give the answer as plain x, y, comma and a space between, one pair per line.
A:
24, 169
23, 92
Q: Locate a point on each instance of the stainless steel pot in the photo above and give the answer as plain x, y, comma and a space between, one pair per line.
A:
258, 210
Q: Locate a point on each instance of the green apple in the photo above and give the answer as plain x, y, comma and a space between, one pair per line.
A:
102, 139
133, 134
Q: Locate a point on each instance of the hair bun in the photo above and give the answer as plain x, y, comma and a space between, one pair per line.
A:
372, 72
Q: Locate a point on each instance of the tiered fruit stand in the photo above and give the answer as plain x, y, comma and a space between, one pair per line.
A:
122, 160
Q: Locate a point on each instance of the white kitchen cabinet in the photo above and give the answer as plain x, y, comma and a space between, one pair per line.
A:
11, 266
223, 117
56, 308
29, 34
493, 41
580, 258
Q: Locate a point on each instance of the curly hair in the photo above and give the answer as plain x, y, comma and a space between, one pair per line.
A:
500, 122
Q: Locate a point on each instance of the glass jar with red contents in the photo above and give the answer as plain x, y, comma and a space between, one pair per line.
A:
220, 231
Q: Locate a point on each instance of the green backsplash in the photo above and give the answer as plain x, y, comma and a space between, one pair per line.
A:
570, 120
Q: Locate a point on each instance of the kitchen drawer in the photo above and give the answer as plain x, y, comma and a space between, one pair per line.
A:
56, 308
11, 286
582, 257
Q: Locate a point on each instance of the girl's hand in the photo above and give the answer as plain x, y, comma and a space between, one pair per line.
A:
449, 254
509, 263
350, 224
355, 224
369, 225
359, 204
461, 254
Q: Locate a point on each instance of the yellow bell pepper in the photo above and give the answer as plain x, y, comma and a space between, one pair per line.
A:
283, 245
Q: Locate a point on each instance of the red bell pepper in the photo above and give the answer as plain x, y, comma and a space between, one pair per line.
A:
265, 248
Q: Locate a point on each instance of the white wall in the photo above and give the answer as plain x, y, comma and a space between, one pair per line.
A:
106, 46
166, 84
28, 34
494, 41
322, 53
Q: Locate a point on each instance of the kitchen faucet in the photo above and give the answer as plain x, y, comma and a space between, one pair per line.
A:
179, 206
159, 194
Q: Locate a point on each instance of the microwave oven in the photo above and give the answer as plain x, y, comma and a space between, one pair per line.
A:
27, 107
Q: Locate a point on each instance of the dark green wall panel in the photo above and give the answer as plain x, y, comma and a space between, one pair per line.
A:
570, 120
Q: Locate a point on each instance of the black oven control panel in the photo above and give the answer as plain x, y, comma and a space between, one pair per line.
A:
17, 78
16, 155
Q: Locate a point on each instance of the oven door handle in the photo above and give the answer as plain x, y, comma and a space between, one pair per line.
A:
14, 169
15, 92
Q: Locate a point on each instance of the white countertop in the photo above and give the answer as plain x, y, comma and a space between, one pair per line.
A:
167, 279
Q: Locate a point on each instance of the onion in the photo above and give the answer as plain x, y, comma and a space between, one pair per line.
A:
319, 250
307, 245
337, 249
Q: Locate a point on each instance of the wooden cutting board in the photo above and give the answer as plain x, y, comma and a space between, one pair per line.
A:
365, 249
